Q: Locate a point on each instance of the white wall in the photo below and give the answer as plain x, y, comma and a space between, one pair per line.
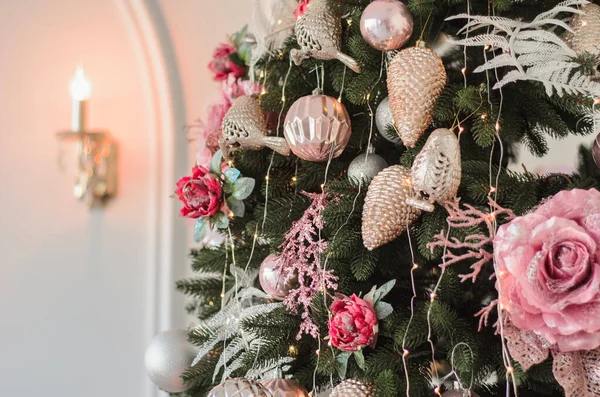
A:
79, 288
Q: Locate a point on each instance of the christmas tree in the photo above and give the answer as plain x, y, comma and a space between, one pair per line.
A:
374, 240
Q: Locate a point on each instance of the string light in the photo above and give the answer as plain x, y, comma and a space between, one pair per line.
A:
318, 352
405, 353
322, 186
211, 303
461, 129
510, 370
267, 178
464, 71
279, 22
596, 101
433, 295
222, 295
293, 350
437, 391
492, 189
415, 266
230, 163
502, 273
584, 22
487, 47
497, 126
349, 21
483, 116
283, 98
294, 179
263, 91
230, 214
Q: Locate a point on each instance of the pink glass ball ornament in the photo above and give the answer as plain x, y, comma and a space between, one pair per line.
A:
284, 388
386, 24
596, 150
273, 281
317, 128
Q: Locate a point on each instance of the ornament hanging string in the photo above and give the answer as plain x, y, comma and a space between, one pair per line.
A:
405, 352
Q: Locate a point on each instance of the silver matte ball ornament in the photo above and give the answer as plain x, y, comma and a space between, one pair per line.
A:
384, 120
386, 24
365, 166
167, 357
284, 388
460, 393
239, 387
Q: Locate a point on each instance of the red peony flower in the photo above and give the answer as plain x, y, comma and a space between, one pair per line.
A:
222, 66
301, 8
201, 194
353, 324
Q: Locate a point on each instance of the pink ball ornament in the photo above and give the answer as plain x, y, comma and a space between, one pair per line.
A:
460, 393
284, 388
273, 281
596, 150
386, 24
317, 127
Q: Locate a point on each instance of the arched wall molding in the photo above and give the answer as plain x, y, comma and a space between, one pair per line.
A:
153, 47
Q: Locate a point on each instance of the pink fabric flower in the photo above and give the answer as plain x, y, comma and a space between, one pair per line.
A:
301, 8
549, 270
222, 66
201, 194
353, 324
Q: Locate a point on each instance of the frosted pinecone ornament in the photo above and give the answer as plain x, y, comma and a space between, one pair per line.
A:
416, 78
436, 171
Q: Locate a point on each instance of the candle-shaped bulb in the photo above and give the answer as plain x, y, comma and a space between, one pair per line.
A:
80, 86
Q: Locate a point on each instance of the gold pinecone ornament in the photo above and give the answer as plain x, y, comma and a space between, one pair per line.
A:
385, 213
586, 30
436, 171
319, 35
416, 78
244, 127
353, 388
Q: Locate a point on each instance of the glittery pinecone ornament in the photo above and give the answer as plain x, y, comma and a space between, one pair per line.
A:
385, 213
586, 31
319, 35
353, 388
416, 78
436, 171
244, 127
239, 387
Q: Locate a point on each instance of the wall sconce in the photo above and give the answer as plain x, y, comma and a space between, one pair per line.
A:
96, 162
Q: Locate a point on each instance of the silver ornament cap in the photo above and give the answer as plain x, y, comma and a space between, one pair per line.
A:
167, 357
364, 167
383, 120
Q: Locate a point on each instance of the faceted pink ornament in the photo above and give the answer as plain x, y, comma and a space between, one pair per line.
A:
460, 393
273, 281
386, 24
284, 388
317, 127
596, 150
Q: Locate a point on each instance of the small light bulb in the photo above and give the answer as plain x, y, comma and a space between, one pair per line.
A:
596, 101
405, 353
230, 163
349, 21
322, 186
437, 391
318, 352
487, 47
497, 126
222, 295
279, 22
502, 274
267, 178
294, 179
464, 71
461, 129
510, 370
483, 116
293, 350
230, 214
584, 22
283, 98
433, 295
80, 86
211, 303
492, 189
415, 266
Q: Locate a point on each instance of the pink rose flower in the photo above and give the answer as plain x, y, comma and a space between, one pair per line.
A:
549, 270
301, 8
222, 66
353, 324
201, 194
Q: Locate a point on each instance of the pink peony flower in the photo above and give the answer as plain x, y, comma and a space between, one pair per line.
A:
353, 324
549, 270
301, 8
222, 66
201, 194
233, 88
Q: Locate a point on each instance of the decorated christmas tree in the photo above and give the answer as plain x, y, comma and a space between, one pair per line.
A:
362, 233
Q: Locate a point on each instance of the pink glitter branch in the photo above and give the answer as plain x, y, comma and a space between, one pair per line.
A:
300, 255
484, 316
467, 216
